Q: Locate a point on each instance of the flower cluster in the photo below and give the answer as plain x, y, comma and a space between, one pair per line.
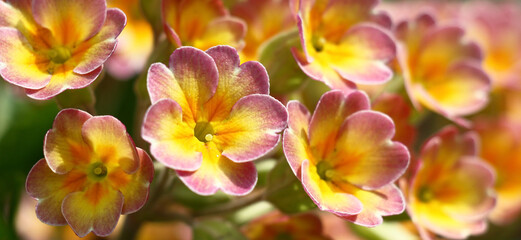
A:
315, 108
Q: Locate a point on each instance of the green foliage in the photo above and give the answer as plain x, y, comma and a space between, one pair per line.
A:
286, 192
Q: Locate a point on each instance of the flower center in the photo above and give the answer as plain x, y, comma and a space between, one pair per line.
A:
60, 55
318, 43
325, 170
98, 170
425, 194
203, 131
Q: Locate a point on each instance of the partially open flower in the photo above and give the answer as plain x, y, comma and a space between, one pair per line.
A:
48, 46
451, 193
92, 173
210, 117
276, 225
441, 71
265, 19
501, 148
345, 158
135, 44
201, 24
342, 45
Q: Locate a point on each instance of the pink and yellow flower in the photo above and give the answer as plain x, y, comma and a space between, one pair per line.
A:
201, 24
265, 19
345, 158
495, 27
342, 45
135, 43
276, 225
441, 71
210, 117
92, 173
48, 46
451, 192
501, 148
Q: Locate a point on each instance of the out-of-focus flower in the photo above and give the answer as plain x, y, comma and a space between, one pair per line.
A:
48, 46
135, 43
345, 158
501, 147
276, 225
495, 27
92, 173
264, 18
201, 24
399, 110
451, 193
342, 45
440, 70
210, 117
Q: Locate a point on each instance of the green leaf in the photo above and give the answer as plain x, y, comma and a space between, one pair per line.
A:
284, 72
285, 191
216, 229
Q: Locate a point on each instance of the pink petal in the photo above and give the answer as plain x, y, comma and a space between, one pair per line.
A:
235, 81
328, 199
385, 201
218, 172
97, 50
96, 209
19, 64
252, 129
331, 111
295, 141
70, 21
107, 137
64, 147
63, 80
172, 141
365, 153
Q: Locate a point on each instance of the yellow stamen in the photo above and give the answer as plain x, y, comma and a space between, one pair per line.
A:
208, 137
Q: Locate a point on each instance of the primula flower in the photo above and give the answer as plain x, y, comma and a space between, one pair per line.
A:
276, 225
341, 43
501, 148
440, 70
495, 27
210, 117
135, 43
344, 157
265, 19
201, 24
92, 173
451, 192
48, 46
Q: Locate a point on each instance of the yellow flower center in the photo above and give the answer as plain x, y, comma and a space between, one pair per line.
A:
203, 131
60, 55
325, 170
98, 170
425, 194
318, 43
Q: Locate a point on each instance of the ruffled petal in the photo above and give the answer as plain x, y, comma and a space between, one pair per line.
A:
50, 189
172, 141
252, 129
64, 147
235, 81
220, 173
70, 21
108, 139
96, 209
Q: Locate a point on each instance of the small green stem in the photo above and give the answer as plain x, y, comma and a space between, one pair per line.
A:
82, 98
232, 206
